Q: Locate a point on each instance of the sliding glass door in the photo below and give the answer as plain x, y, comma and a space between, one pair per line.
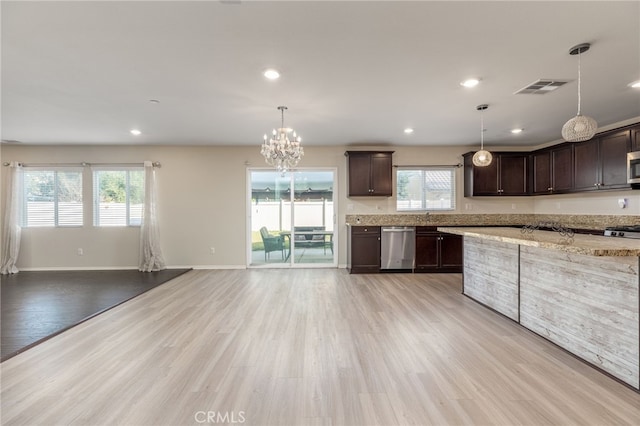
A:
291, 218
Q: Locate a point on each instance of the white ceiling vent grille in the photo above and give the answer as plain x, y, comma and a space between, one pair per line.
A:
541, 87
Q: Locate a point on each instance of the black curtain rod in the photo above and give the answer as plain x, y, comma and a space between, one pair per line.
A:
84, 164
429, 165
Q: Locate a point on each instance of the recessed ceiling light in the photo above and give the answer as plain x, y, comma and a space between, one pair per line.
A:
408, 130
516, 131
472, 82
635, 84
136, 132
272, 74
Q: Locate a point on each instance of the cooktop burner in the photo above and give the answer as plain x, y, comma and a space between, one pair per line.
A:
632, 231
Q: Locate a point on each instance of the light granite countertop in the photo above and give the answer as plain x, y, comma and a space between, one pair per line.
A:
593, 222
592, 245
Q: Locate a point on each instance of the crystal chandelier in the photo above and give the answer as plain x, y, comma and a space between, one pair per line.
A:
581, 127
483, 157
280, 151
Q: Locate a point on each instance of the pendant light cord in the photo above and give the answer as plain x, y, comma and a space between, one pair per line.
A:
579, 89
481, 131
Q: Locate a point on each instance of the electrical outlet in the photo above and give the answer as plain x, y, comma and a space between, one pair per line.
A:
623, 203
213, 250
80, 252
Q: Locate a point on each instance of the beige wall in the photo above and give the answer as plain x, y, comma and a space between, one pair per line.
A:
603, 202
202, 203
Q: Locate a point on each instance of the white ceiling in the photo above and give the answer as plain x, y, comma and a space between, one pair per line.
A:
352, 72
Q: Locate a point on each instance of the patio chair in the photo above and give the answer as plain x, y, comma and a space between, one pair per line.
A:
329, 243
271, 243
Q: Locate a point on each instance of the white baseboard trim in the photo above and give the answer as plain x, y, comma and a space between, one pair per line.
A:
120, 268
213, 266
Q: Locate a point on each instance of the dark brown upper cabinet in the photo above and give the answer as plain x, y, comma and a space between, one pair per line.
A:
635, 138
586, 165
541, 170
506, 175
369, 173
601, 163
552, 169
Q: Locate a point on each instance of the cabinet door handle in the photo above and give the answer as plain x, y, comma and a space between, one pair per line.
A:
549, 189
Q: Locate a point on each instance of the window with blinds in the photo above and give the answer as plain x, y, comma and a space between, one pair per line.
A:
425, 188
118, 197
52, 197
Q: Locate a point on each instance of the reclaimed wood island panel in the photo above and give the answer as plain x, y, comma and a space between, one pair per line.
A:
491, 274
581, 293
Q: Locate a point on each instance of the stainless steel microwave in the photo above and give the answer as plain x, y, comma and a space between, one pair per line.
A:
633, 169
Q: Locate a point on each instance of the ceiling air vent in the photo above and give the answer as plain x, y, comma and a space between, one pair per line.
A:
541, 87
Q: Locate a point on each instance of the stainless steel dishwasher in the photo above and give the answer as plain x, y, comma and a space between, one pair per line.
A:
397, 247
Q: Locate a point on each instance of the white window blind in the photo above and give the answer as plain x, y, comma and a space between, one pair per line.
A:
118, 196
52, 197
425, 188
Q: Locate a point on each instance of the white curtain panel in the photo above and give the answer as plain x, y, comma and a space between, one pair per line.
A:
151, 258
11, 228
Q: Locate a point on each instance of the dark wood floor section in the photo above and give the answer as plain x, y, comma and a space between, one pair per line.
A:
38, 305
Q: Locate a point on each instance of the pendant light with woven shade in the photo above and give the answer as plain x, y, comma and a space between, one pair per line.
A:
483, 157
581, 127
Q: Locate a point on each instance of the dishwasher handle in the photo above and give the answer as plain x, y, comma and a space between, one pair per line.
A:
398, 230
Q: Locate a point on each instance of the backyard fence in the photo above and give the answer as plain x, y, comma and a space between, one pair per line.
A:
276, 215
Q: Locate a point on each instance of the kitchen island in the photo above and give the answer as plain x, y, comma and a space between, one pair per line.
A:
581, 292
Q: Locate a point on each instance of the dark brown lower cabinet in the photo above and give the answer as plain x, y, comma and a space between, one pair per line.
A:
363, 249
437, 251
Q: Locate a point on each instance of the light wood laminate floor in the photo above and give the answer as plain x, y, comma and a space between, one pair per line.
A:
306, 347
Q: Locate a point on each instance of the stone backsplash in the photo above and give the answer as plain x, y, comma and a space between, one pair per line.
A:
598, 222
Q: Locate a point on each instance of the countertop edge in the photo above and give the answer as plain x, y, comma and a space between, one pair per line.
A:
566, 244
